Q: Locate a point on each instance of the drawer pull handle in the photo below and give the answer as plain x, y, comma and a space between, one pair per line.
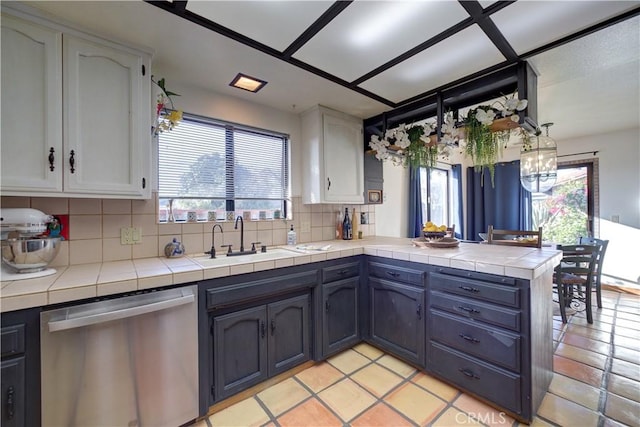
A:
393, 274
343, 272
468, 309
469, 289
262, 329
72, 161
10, 403
419, 311
326, 306
273, 326
468, 338
468, 373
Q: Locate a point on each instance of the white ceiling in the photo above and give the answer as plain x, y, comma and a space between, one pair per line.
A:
590, 85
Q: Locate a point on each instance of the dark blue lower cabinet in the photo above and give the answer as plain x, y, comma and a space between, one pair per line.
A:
397, 322
254, 344
340, 328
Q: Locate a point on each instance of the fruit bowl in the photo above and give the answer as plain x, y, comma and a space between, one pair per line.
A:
434, 235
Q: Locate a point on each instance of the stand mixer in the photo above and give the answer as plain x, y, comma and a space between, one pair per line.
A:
26, 249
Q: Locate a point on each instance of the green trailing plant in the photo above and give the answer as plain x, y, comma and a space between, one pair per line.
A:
420, 151
483, 145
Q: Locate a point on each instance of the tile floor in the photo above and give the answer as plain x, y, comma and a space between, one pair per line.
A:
596, 383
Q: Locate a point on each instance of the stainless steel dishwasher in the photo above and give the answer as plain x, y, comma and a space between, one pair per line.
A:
130, 361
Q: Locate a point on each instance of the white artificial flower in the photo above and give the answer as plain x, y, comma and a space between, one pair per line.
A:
402, 139
515, 118
522, 104
511, 104
485, 116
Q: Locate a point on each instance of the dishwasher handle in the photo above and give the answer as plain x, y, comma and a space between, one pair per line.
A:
79, 322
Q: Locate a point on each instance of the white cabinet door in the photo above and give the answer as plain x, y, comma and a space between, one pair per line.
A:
106, 119
31, 107
333, 157
343, 160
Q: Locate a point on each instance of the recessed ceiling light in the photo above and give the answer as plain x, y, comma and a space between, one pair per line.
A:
242, 81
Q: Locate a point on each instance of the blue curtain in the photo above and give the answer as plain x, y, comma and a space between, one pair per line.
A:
507, 205
415, 203
458, 220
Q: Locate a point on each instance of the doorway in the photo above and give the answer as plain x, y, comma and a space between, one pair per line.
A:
569, 209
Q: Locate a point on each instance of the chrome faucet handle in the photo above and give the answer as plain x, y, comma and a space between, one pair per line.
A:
227, 246
253, 245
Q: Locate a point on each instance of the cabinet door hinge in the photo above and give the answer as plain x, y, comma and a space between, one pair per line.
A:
144, 70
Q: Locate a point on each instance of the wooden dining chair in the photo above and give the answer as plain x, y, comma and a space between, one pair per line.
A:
531, 238
597, 275
573, 277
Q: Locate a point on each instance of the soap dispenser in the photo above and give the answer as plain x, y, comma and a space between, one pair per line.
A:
291, 237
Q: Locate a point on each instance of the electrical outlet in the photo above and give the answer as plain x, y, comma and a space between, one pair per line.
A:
126, 237
136, 235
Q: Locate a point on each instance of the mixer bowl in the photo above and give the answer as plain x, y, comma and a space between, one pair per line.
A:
26, 255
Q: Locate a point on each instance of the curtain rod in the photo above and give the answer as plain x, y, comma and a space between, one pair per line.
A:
577, 154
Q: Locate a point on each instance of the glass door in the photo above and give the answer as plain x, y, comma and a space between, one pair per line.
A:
566, 211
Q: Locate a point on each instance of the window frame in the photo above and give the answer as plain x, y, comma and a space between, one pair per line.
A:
426, 203
230, 198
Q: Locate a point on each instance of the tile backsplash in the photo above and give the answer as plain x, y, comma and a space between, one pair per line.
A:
94, 227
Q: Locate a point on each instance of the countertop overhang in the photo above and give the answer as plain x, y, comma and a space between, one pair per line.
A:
78, 282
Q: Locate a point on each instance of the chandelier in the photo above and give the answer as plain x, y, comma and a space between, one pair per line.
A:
539, 162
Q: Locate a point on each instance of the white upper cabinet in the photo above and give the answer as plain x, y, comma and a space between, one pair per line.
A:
87, 99
333, 157
31, 107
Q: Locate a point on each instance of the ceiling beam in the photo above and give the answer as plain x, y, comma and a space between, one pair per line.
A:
482, 18
328, 16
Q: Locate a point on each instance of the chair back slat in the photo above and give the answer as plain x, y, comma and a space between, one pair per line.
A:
505, 237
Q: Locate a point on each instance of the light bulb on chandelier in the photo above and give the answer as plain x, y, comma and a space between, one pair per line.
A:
539, 163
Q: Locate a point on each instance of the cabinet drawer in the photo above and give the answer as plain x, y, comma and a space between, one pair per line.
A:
339, 272
226, 296
489, 344
397, 274
476, 289
469, 308
12, 340
492, 383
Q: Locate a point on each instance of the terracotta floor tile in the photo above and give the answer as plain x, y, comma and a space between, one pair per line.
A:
628, 316
454, 417
376, 379
627, 354
482, 412
380, 415
597, 324
589, 333
626, 369
396, 365
282, 396
608, 422
576, 391
311, 413
623, 410
348, 361
625, 332
201, 423
624, 387
368, 350
320, 376
537, 422
435, 386
566, 413
556, 334
629, 324
577, 370
415, 403
347, 399
243, 414
587, 343
582, 355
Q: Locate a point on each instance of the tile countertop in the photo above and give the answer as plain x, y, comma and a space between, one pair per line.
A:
90, 280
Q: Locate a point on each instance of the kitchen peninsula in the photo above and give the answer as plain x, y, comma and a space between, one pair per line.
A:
476, 316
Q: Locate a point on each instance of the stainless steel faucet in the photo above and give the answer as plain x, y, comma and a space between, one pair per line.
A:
212, 252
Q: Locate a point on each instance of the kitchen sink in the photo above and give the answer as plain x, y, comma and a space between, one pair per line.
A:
222, 259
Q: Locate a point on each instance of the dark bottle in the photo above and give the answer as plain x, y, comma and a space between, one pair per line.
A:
347, 229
